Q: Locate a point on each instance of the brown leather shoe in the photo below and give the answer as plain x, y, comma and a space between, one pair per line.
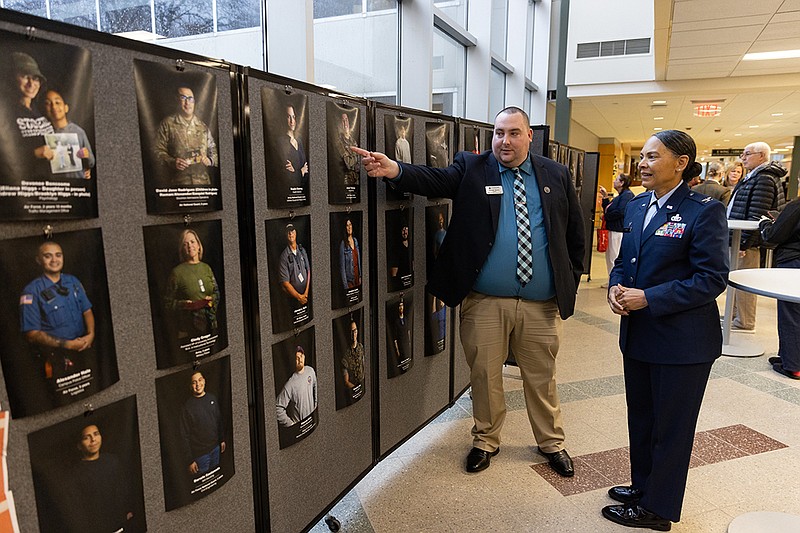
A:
560, 461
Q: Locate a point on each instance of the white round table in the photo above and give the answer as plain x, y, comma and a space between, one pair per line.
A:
778, 283
738, 347
765, 522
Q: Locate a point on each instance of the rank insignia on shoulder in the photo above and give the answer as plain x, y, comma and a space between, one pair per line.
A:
706, 199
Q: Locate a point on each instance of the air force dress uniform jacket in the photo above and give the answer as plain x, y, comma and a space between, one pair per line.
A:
681, 262
471, 182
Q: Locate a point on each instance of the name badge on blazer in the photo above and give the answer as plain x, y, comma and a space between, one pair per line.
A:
674, 230
494, 189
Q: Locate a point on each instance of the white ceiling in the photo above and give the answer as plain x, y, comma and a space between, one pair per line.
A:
701, 52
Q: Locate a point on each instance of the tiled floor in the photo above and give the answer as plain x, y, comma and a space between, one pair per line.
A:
746, 448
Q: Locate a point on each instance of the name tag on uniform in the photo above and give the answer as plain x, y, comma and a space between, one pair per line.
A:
674, 230
494, 189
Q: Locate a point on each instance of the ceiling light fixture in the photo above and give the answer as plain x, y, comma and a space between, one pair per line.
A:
658, 118
777, 54
659, 102
777, 114
657, 129
753, 126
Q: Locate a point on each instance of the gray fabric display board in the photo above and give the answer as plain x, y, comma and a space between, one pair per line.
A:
327, 449
121, 198
411, 398
588, 198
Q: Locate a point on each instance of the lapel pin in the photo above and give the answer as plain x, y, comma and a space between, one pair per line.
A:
669, 206
676, 218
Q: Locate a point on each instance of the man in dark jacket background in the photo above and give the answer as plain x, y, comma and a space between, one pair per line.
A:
755, 194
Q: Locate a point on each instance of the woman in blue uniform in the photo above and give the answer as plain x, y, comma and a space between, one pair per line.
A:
672, 265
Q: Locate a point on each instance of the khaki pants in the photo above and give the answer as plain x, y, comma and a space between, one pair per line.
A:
489, 326
744, 303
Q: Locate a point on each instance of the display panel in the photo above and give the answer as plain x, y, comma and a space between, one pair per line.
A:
179, 133
186, 278
196, 434
289, 261
347, 263
399, 336
58, 341
286, 149
294, 361
47, 159
349, 357
87, 472
344, 171
399, 243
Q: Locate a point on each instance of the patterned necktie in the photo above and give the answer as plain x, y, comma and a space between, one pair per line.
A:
524, 245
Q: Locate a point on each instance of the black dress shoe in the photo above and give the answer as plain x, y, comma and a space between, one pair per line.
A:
631, 515
625, 494
777, 367
774, 360
560, 461
478, 459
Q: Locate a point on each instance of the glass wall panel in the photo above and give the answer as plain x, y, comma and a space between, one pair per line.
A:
118, 16
529, 42
237, 14
497, 92
33, 7
449, 72
455, 9
499, 27
176, 18
77, 12
336, 8
356, 54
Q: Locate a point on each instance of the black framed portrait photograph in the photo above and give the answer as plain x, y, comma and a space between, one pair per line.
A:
294, 362
438, 151
347, 263
343, 123
349, 358
179, 133
289, 263
398, 136
186, 279
471, 139
58, 341
285, 119
87, 471
399, 335
196, 431
399, 248
47, 127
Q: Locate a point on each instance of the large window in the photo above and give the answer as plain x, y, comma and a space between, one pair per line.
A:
455, 9
77, 12
529, 41
497, 91
126, 15
499, 27
357, 53
449, 69
176, 18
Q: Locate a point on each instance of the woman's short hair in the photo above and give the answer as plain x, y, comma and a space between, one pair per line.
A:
182, 252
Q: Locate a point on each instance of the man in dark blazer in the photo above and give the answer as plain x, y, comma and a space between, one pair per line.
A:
672, 265
479, 264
